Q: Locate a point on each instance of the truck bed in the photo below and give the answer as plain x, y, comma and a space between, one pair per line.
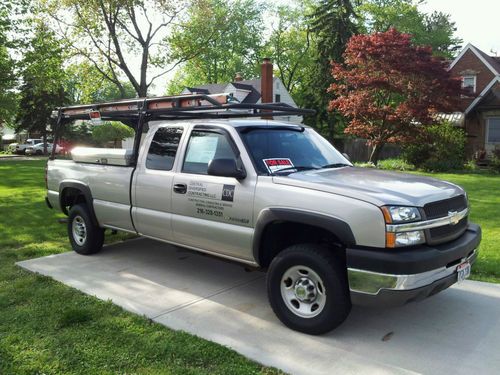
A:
108, 185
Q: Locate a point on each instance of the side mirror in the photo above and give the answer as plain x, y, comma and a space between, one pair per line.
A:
225, 168
346, 156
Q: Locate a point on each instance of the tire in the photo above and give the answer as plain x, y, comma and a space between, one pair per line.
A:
308, 289
85, 237
39, 152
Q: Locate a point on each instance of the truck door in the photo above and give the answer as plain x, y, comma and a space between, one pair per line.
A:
213, 213
152, 192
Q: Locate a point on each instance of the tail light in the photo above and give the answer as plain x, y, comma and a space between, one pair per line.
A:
46, 180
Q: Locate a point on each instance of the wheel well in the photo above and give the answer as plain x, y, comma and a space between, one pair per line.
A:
277, 236
71, 196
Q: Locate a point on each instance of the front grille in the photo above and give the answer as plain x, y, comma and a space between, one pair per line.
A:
446, 232
438, 209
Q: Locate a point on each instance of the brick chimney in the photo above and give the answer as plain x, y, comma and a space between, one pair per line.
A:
266, 81
238, 77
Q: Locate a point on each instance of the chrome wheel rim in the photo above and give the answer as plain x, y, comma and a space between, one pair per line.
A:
303, 291
79, 230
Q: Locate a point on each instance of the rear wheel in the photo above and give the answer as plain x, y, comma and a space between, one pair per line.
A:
85, 237
308, 289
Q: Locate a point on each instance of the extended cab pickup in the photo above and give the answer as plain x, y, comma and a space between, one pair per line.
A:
279, 197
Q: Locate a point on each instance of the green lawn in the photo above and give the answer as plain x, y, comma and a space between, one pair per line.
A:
48, 328
484, 196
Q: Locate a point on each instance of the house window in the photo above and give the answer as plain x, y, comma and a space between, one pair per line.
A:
277, 98
493, 130
469, 83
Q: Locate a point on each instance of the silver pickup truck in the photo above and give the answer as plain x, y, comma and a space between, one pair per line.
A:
278, 197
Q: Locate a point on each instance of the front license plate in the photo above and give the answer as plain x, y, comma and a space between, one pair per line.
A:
463, 271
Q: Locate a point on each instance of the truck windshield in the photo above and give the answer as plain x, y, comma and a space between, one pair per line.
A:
285, 151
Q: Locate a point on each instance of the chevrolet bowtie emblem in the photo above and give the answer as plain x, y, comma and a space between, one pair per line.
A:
454, 217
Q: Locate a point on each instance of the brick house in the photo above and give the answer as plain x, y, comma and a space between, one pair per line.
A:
480, 109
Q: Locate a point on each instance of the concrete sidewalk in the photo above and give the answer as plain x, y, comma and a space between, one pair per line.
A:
456, 331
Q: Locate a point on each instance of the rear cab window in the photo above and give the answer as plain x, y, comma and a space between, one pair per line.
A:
163, 148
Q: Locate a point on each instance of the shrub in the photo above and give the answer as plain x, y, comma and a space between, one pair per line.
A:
364, 165
471, 165
395, 164
495, 163
438, 148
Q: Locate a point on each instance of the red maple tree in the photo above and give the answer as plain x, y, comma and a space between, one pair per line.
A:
389, 88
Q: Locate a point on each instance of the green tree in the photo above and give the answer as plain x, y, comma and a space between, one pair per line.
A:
217, 39
435, 30
84, 84
7, 84
112, 131
332, 23
111, 34
42, 81
290, 47
10, 20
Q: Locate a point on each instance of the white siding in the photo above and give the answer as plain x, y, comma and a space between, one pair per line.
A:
285, 97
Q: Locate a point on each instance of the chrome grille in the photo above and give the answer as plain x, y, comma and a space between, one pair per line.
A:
439, 209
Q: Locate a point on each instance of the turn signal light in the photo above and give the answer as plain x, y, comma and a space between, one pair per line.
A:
390, 239
387, 215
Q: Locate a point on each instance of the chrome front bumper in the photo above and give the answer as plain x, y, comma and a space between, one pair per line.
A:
370, 284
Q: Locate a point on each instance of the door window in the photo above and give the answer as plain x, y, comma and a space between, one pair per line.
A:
203, 147
163, 148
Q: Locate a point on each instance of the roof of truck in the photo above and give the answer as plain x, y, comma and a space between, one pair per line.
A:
250, 122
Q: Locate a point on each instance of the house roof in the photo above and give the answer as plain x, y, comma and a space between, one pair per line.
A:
491, 62
197, 89
250, 85
210, 88
482, 94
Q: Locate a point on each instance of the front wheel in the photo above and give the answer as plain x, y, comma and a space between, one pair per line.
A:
308, 289
85, 237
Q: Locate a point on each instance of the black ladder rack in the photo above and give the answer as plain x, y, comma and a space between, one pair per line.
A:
178, 107
135, 112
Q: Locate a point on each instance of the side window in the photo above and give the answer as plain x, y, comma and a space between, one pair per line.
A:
204, 146
161, 154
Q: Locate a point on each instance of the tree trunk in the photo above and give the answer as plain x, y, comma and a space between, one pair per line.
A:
44, 137
331, 128
376, 153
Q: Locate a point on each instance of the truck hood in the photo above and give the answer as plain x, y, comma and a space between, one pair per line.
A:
374, 186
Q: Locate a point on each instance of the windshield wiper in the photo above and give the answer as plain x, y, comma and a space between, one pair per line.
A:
335, 165
296, 169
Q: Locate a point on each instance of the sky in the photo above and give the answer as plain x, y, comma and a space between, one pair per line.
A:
476, 21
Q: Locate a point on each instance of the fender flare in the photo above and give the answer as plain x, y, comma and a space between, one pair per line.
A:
86, 193
336, 226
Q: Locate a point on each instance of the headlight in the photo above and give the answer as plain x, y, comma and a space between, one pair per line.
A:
400, 239
400, 214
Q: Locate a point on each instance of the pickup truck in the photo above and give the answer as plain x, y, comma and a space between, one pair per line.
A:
278, 197
21, 148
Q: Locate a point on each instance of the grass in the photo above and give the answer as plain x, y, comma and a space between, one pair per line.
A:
49, 328
483, 190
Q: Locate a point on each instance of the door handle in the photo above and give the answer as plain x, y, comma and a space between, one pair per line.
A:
180, 188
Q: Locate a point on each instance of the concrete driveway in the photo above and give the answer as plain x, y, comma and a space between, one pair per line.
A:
456, 332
